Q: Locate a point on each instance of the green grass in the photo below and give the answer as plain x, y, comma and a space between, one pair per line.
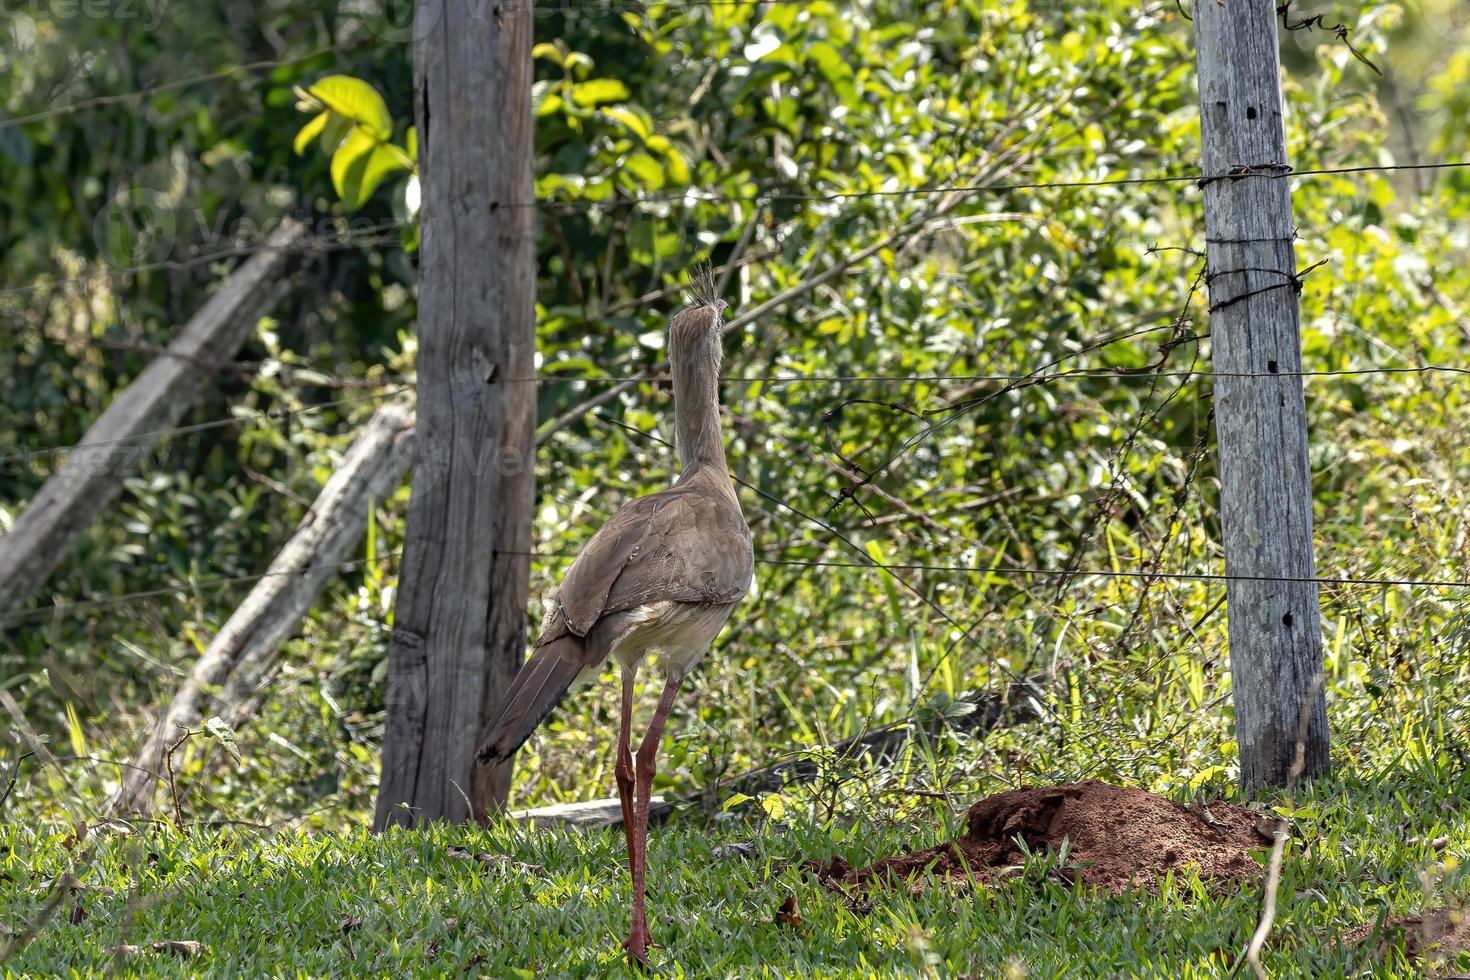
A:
276, 903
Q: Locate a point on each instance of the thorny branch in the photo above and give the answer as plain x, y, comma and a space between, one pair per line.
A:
1319, 22
1312, 21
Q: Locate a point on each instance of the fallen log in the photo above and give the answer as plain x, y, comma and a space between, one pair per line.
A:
982, 712
234, 663
93, 471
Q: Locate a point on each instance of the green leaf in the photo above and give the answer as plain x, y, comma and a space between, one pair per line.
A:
599, 90
411, 143
578, 64
676, 167
646, 169
410, 237
631, 120
356, 100
830, 63
735, 801
550, 184
357, 145
649, 241
311, 131
74, 731
223, 734
774, 806
338, 127
550, 52
359, 166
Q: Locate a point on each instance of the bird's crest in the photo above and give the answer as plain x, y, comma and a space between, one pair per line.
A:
702, 285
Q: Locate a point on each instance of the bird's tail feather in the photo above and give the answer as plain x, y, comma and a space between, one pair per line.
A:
538, 687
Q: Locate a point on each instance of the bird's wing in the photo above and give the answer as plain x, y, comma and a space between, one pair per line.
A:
682, 545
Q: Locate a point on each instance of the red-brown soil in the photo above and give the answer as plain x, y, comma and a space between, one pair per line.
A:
1117, 838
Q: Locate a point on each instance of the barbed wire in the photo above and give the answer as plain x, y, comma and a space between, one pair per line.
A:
382, 233
397, 386
1132, 574
760, 196
386, 232
598, 7
1035, 572
692, 198
159, 434
96, 101
1116, 373
102, 602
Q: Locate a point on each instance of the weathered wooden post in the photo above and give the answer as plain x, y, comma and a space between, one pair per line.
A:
1260, 416
459, 630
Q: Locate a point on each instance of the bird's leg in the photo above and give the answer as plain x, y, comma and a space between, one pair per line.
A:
623, 765
638, 937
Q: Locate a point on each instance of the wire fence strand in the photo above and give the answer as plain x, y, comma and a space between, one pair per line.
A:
392, 387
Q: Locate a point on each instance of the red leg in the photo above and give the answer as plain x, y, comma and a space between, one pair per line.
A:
638, 937
623, 765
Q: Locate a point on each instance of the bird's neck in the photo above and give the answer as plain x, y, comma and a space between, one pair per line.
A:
698, 435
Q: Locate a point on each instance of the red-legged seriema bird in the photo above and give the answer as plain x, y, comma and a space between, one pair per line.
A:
662, 575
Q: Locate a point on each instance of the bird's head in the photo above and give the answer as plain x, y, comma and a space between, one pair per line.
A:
700, 322
706, 291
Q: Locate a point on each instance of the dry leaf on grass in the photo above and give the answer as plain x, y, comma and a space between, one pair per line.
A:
185, 948
66, 881
789, 914
182, 948
487, 860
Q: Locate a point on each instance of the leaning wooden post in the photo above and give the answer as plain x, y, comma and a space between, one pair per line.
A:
459, 631
95, 469
241, 652
1260, 416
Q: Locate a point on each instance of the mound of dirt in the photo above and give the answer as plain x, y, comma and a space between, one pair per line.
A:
1116, 837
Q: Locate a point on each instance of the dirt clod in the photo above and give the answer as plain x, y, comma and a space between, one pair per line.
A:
1116, 837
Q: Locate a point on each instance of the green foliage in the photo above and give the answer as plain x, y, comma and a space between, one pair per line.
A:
352, 125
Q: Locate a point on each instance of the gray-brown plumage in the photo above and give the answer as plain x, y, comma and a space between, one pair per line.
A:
663, 574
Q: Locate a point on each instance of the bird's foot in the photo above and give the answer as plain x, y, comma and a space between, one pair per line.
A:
637, 945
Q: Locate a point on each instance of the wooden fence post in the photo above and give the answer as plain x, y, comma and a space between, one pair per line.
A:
460, 625
1260, 415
